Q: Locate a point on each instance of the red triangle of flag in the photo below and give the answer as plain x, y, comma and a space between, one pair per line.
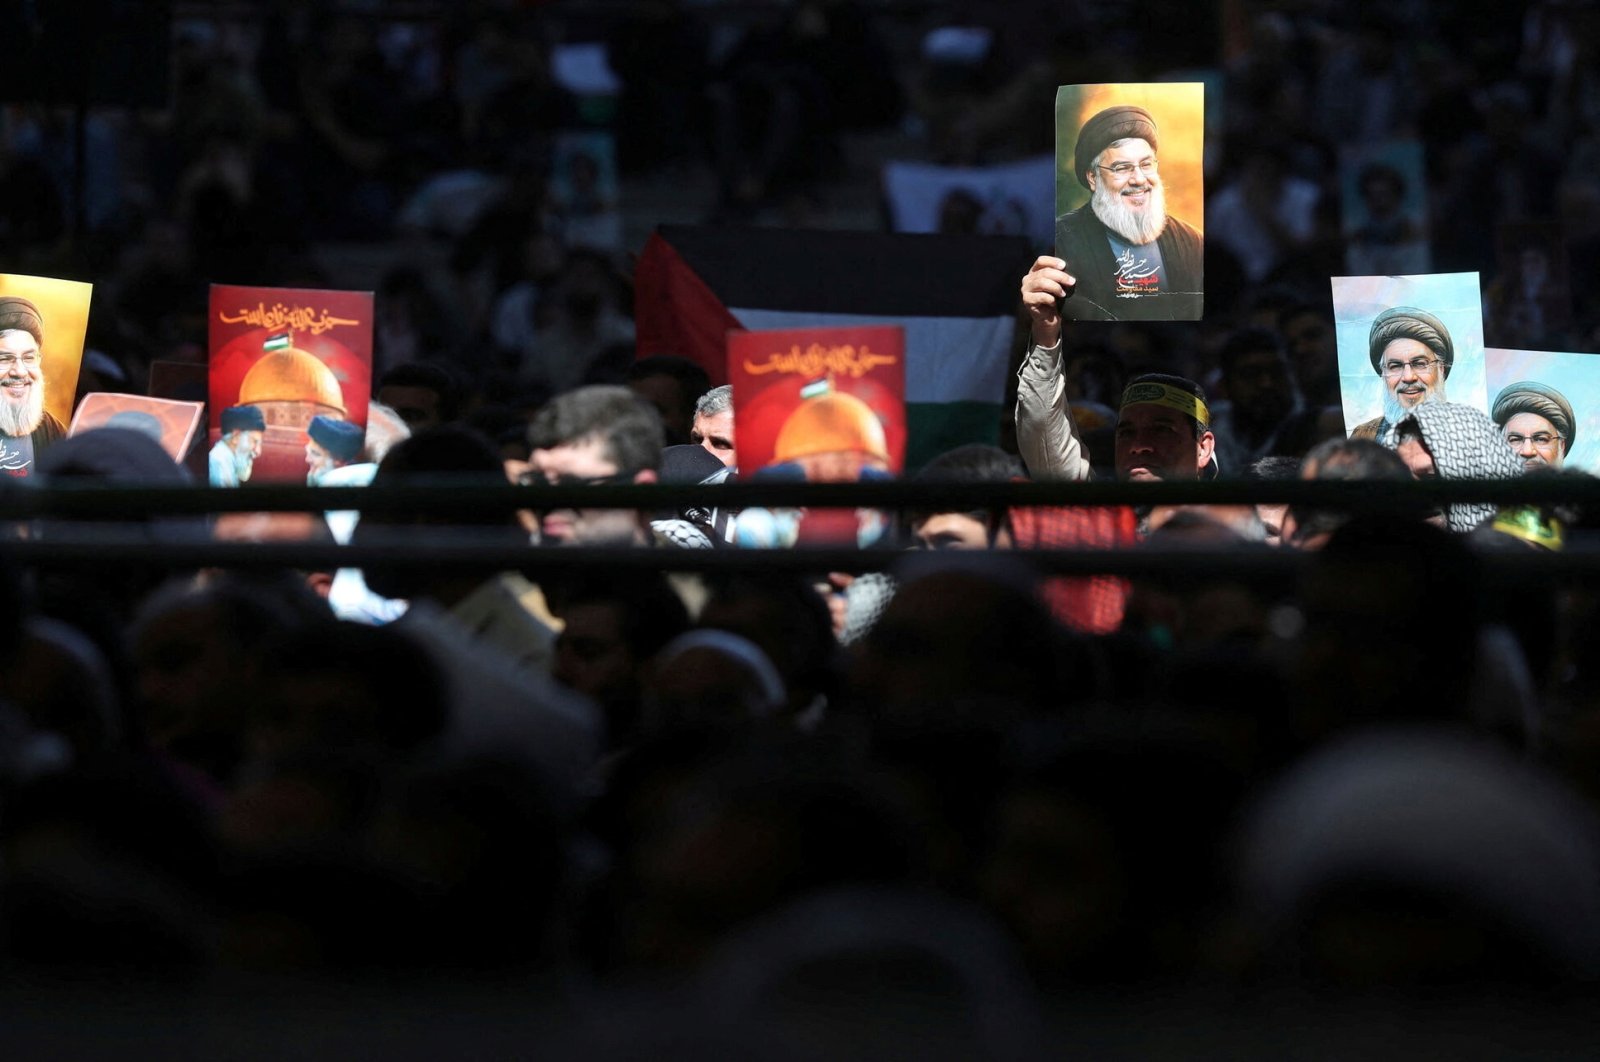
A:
676, 312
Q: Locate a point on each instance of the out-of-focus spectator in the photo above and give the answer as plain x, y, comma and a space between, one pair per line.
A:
789, 87
674, 386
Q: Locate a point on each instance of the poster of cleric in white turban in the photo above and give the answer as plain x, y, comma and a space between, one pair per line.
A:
1130, 200
1547, 406
1404, 341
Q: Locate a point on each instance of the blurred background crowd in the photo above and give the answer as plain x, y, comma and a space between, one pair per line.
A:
424, 151
761, 816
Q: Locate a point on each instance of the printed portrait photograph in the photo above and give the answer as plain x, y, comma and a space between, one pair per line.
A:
1130, 200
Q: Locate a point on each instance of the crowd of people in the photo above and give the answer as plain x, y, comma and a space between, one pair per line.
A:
835, 812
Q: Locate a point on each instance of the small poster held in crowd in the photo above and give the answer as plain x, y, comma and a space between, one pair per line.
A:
1007, 198
821, 405
1130, 200
1405, 340
291, 375
1547, 406
585, 191
1385, 208
43, 322
172, 424
1530, 301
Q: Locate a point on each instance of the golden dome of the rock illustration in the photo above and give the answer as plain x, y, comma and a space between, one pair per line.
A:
833, 422
291, 375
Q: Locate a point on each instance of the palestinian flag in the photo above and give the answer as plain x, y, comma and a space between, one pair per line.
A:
955, 296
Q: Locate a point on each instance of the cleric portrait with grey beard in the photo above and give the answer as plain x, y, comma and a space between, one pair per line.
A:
1412, 351
26, 427
1131, 259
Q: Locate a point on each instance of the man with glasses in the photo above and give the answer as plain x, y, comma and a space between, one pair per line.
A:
1411, 349
1537, 423
590, 436
1122, 256
26, 427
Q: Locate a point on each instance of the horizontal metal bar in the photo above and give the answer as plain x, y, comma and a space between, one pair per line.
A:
446, 552
100, 499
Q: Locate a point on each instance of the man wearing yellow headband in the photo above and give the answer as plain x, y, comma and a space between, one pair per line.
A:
1163, 430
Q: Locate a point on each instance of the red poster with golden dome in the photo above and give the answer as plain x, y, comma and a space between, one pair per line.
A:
290, 378
825, 405
826, 402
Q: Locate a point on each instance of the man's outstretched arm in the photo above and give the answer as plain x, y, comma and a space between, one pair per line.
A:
1046, 434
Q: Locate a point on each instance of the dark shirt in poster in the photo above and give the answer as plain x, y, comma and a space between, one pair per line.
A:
1163, 281
16, 456
18, 453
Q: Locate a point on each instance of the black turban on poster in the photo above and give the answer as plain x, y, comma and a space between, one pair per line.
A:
1527, 396
243, 418
340, 438
1408, 322
17, 312
1107, 127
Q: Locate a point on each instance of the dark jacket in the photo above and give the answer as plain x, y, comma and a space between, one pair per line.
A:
1082, 240
48, 431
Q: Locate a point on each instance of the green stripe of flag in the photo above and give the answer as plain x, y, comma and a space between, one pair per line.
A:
934, 427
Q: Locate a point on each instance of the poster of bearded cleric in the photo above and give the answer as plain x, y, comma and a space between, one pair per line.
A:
1130, 200
1404, 341
1547, 406
291, 374
823, 405
42, 326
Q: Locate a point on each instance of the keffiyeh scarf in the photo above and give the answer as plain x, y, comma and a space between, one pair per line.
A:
1465, 444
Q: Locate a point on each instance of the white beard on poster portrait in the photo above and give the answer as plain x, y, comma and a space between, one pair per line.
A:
21, 416
1137, 225
1394, 410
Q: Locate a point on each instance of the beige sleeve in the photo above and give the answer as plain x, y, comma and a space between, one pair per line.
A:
1046, 434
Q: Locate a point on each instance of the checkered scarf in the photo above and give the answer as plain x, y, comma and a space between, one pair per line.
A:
1465, 444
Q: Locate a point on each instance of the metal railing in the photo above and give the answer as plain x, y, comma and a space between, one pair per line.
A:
96, 523
99, 499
